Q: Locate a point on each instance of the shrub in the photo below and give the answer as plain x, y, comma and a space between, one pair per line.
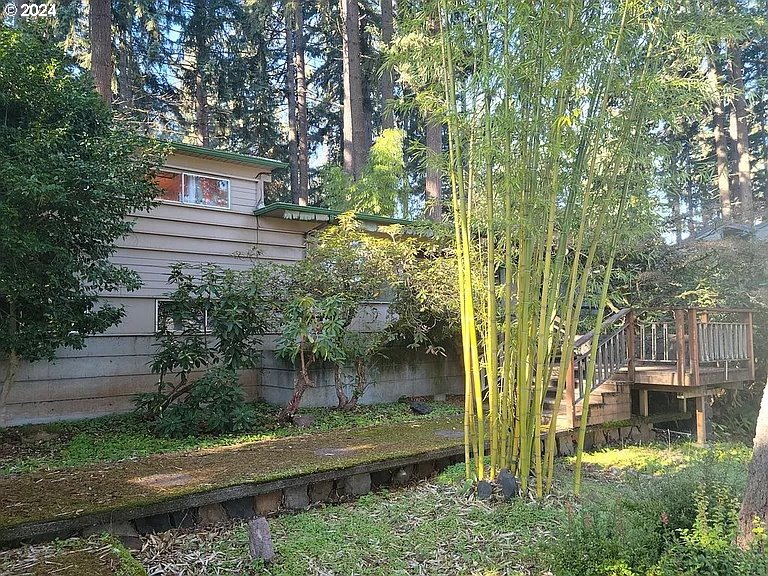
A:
213, 320
215, 404
708, 548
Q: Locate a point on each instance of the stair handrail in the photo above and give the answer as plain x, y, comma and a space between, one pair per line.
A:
576, 393
585, 338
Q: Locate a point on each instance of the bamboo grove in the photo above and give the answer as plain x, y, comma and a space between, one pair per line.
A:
550, 108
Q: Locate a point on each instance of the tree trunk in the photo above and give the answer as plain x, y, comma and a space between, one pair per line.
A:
13, 366
355, 137
301, 108
201, 110
124, 64
100, 31
10, 380
741, 137
755, 502
387, 81
721, 144
290, 90
677, 218
434, 142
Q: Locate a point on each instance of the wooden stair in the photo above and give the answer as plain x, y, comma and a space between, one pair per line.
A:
609, 402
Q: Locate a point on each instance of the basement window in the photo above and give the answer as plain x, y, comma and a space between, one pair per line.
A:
195, 189
165, 319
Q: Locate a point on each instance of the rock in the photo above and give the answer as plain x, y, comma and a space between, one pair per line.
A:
442, 464
420, 408
211, 514
509, 485
356, 485
484, 489
240, 508
402, 476
440, 398
303, 420
154, 524
613, 436
260, 539
321, 492
424, 469
296, 498
268, 503
381, 478
123, 531
565, 445
37, 436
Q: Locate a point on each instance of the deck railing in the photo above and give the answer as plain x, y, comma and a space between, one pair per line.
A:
615, 348
693, 338
689, 338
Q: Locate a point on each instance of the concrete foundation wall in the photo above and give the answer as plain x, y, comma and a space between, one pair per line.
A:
402, 372
104, 377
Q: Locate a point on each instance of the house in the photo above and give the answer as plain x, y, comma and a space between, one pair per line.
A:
212, 210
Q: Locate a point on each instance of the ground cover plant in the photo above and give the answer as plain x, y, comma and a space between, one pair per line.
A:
651, 511
72, 444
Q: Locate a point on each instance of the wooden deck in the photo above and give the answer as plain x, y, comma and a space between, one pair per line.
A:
691, 353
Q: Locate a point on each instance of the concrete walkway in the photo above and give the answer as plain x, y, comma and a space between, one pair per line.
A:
61, 498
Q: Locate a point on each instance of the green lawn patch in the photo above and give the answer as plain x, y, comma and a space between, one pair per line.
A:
625, 524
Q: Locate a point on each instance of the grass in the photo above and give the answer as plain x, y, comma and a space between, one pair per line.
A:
438, 527
95, 556
108, 439
634, 500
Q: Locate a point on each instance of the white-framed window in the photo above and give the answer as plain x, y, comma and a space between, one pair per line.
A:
194, 189
165, 319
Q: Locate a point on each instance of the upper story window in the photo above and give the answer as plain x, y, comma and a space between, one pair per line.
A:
194, 189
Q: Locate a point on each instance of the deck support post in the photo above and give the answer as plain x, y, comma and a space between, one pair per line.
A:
570, 395
631, 345
702, 419
680, 345
644, 411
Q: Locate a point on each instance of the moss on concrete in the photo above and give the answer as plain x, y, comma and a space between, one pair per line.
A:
62, 494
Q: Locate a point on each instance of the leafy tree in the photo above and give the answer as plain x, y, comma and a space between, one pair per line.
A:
381, 186
68, 179
213, 321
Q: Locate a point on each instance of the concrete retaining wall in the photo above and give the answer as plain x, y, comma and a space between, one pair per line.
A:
401, 372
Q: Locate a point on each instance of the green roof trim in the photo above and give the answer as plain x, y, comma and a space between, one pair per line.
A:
225, 156
278, 210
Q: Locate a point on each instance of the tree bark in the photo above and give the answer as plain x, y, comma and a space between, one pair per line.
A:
355, 148
290, 90
721, 144
434, 142
13, 366
387, 80
125, 62
755, 502
100, 32
301, 107
741, 137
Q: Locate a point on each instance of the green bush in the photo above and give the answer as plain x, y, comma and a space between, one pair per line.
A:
708, 547
214, 320
215, 404
676, 526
